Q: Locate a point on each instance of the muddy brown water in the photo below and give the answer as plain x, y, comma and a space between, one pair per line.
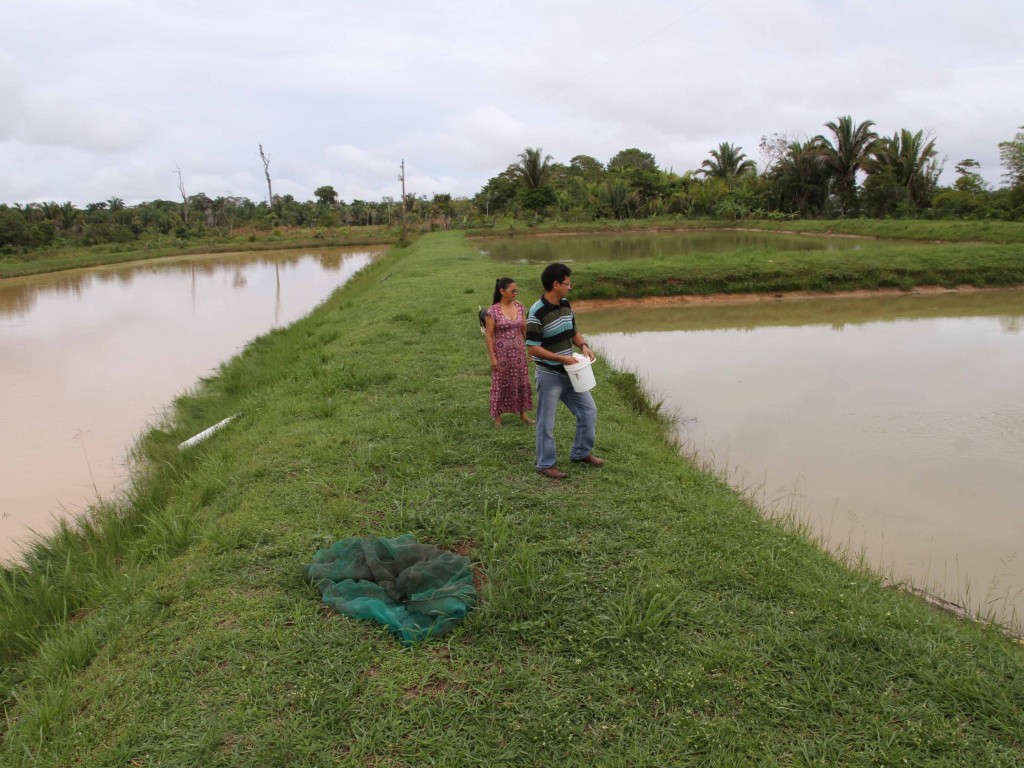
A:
89, 358
892, 426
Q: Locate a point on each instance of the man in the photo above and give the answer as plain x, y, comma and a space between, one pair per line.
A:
550, 335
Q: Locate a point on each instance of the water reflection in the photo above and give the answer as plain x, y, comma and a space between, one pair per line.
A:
576, 248
837, 312
18, 295
88, 357
894, 425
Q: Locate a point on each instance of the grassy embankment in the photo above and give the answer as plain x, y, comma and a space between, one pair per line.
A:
982, 231
755, 271
640, 614
979, 254
58, 259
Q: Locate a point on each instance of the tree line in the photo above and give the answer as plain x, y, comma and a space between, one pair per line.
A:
850, 169
46, 225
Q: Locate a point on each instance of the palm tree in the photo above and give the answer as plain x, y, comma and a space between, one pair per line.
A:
728, 163
70, 217
533, 169
35, 211
845, 154
615, 194
51, 210
910, 160
535, 191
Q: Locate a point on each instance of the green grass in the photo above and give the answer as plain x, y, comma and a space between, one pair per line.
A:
63, 258
641, 614
756, 271
960, 231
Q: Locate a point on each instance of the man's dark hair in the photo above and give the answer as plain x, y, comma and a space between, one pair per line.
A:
554, 273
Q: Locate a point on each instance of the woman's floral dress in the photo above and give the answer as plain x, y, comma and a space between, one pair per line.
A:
510, 383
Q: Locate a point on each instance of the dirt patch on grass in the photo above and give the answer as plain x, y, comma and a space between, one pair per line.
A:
480, 579
468, 548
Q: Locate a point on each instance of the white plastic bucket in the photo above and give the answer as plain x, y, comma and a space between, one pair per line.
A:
581, 374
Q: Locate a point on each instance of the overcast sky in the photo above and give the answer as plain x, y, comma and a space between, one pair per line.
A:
104, 98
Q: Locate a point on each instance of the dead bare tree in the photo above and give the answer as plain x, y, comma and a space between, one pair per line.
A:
266, 172
184, 197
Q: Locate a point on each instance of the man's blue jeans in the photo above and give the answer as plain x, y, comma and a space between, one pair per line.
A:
552, 387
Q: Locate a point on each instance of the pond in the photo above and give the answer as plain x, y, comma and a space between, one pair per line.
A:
572, 249
891, 426
90, 357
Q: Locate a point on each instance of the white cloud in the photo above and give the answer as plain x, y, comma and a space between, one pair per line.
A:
113, 93
354, 160
485, 138
23, 187
42, 117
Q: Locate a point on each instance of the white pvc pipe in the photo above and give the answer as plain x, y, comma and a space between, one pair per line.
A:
205, 433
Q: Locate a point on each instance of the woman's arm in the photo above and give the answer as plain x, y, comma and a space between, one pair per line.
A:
489, 337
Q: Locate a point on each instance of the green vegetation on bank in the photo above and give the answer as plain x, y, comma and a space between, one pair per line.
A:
756, 271
642, 614
910, 254
56, 259
996, 232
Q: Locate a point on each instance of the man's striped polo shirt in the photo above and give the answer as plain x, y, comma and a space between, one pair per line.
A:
551, 326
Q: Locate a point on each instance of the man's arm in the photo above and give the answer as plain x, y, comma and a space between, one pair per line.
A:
546, 354
580, 342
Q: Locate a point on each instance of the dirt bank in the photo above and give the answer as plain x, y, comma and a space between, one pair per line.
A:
749, 298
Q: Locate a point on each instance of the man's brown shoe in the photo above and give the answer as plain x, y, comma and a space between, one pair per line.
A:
553, 472
590, 459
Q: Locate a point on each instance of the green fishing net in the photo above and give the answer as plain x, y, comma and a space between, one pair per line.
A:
414, 589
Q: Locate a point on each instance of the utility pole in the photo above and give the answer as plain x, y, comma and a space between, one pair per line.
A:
401, 178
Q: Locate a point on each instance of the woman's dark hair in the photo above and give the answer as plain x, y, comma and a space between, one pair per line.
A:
499, 285
554, 273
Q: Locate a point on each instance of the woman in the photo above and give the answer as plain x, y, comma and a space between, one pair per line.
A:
505, 332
